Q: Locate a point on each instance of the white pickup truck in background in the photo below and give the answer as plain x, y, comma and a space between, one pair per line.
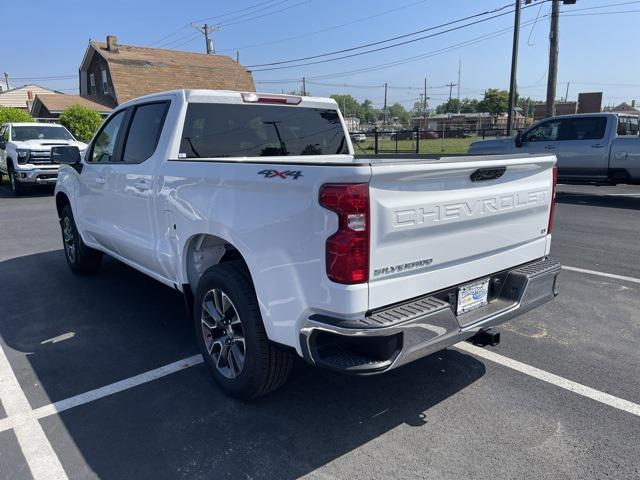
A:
25, 150
284, 242
601, 148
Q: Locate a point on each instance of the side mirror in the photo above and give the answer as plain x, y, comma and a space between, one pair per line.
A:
67, 155
519, 140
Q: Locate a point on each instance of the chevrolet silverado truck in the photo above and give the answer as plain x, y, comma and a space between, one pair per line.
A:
601, 148
283, 242
25, 153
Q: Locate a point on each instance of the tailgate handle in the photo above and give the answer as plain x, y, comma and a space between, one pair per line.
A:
487, 174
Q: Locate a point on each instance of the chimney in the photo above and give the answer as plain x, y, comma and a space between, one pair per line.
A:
112, 45
633, 103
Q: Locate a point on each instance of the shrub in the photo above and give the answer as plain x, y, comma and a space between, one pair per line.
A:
14, 115
81, 121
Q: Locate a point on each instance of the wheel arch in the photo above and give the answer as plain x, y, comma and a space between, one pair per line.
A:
62, 200
202, 251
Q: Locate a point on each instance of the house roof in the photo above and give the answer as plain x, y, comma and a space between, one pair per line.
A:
57, 102
137, 71
18, 97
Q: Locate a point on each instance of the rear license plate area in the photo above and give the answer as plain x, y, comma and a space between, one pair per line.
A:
472, 296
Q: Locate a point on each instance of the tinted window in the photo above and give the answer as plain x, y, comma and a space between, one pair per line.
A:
628, 126
36, 132
219, 130
587, 128
105, 143
144, 132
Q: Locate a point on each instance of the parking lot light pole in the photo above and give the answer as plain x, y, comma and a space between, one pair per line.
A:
514, 67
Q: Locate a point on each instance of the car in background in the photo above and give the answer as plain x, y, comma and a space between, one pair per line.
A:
601, 148
25, 153
358, 137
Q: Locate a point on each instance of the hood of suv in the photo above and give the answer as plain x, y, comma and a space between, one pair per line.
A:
46, 144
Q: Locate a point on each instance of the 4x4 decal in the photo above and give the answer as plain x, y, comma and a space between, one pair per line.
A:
295, 174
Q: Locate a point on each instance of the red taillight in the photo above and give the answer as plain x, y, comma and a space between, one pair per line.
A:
347, 254
553, 199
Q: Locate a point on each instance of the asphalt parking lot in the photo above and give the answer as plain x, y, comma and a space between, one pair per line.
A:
99, 376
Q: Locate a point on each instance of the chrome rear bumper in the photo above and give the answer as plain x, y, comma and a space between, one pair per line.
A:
399, 334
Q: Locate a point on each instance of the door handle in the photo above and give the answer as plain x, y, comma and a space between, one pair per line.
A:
597, 145
142, 185
550, 147
100, 181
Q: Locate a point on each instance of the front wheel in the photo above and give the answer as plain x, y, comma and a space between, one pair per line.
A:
231, 335
16, 187
80, 258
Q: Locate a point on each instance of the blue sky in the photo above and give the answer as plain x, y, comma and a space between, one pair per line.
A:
597, 48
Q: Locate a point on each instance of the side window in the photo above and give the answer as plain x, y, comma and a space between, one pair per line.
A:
104, 146
585, 128
627, 126
92, 83
144, 132
105, 84
2, 131
545, 132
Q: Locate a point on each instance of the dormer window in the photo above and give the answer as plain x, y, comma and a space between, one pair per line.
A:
92, 83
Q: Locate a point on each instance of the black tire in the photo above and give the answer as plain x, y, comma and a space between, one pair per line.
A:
265, 366
81, 259
16, 187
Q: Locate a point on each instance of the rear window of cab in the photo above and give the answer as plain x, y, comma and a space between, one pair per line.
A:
234, 130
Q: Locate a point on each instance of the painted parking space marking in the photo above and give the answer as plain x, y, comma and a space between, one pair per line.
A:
558, 381
16, 420
602, 274
38, 452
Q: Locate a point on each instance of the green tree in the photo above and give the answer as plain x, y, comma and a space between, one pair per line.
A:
398, 111
368, 113
495, 102
348, 105
450, 106
14, 115
81, 121
528, 105
469, 105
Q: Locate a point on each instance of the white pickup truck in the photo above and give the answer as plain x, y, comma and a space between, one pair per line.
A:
25, 153
284, 242
601, 148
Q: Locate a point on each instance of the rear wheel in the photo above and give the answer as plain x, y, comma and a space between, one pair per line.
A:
231, 335
80, 258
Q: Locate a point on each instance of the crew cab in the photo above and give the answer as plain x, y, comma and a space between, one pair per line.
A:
25, 153
590, 148
285, 243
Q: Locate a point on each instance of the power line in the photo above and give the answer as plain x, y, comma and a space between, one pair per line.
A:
334, 27
379, 48
202, 20
335, 52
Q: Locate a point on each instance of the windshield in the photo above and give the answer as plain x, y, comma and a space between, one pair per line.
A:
223, 130
39, 132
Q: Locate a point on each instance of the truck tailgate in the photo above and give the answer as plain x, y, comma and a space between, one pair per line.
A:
433, 227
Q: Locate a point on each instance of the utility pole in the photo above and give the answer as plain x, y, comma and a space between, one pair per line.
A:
384, 110
424, 104
459, 73
451, 85
514, 67
6, 79
206, 30
566, 93
304, 87
553, 59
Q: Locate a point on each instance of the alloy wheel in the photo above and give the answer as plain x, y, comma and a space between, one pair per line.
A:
223, 333
68, 237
